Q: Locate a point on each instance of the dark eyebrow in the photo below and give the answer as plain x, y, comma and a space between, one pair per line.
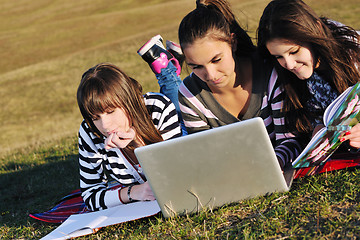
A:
191, 64
293, 48
215, 57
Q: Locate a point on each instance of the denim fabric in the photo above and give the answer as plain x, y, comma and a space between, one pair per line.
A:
169, 83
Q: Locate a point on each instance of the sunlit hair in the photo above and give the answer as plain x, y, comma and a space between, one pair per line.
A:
105, 87
334, 47
215, 20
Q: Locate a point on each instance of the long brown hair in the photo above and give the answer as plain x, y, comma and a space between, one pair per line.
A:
334, 46
214, 19
104, 87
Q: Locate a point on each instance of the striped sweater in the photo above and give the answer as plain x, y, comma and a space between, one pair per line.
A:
201, 111
96, 164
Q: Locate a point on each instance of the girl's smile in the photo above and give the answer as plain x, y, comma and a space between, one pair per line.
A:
295, 58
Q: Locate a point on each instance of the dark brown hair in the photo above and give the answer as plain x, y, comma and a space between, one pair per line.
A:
334, 46
214, 19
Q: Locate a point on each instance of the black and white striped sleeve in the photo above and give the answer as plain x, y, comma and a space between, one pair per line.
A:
163, 114
93, 181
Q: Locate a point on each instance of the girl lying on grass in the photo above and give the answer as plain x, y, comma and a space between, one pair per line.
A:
316, 58
118, 119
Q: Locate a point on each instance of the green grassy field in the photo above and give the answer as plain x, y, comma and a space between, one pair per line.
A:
47, 45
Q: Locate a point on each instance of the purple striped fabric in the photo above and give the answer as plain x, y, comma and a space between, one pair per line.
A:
71, 204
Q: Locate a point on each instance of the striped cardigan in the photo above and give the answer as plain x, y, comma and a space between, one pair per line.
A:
96, 163
201, 111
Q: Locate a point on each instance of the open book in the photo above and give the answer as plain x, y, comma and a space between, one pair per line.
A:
339, 117
87, 223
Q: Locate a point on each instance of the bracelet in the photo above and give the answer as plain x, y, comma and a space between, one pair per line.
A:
120, 196
128, 193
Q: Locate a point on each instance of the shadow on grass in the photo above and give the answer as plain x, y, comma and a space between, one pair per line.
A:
36, 189
322, 206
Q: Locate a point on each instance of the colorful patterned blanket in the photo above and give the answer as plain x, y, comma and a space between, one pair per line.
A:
339, 161
67, 206
74, 204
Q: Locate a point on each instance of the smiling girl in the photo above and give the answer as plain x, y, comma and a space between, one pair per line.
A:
118, 119
316, 58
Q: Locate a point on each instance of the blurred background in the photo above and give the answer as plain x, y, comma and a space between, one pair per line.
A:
45, 46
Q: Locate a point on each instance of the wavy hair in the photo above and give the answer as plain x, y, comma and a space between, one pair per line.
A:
335, 48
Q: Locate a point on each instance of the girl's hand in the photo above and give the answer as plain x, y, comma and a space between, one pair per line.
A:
120, 139
353, 136
142, 192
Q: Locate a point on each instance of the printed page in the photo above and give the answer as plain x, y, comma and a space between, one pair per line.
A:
71, 228
131, 212
344, 108
342, 113
319, 149
87, 223
334, 106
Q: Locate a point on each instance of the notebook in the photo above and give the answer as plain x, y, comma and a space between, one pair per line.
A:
211, 168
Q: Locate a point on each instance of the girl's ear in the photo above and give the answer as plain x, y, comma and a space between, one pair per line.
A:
233, 42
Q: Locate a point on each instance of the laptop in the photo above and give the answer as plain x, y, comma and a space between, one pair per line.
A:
211, 168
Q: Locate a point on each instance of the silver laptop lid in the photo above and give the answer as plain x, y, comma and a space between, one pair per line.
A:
212, 168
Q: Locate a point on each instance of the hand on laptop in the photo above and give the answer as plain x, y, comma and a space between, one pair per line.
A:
142, 192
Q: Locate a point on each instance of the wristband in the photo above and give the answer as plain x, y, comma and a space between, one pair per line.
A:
128, 193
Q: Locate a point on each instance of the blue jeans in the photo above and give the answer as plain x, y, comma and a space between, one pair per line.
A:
169, 83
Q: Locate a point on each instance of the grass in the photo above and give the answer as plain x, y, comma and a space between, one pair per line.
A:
38, 88
324, 206
47, 45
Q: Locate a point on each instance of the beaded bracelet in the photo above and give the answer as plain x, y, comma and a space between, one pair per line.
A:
128, 193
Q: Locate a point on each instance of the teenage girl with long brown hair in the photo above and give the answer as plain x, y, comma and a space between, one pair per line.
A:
316, 58
117, 119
